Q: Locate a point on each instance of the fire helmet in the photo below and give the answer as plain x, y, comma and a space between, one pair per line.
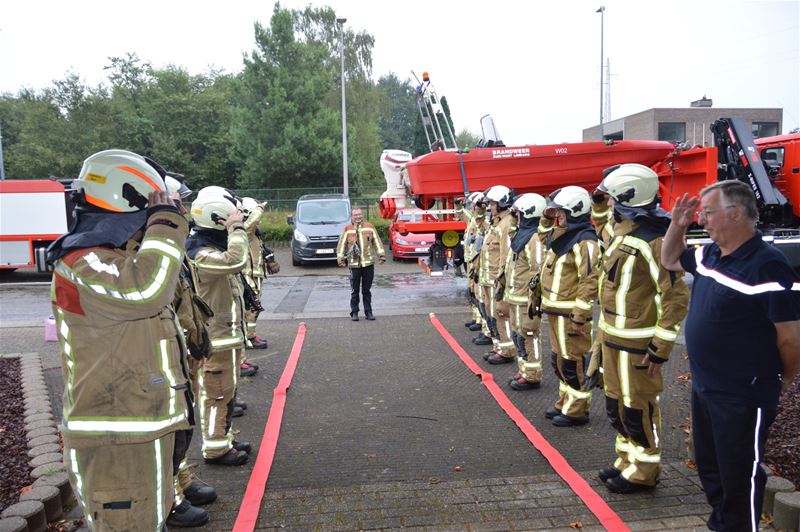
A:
212, 208
501, 195
631, 185
118, 181
572, 199
530, 205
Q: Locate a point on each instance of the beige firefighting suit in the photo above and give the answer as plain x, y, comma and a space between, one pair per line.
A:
475, 221
641, 307
569, 289
496, 246
218, 284
193, 315
521, 270
124, 394
254, 269
358, 246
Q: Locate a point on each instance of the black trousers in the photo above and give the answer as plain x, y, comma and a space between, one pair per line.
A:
729, 440
361, 280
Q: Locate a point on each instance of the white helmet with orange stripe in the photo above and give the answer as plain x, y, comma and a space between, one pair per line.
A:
118, 181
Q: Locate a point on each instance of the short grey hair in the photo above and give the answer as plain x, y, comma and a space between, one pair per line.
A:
735, 193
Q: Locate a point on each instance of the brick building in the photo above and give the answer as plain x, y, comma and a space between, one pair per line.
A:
690, 125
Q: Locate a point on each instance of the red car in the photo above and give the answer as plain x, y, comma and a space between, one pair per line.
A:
410, 245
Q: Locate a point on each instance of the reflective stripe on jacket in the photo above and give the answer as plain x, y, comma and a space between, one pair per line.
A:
569, 282
120, 340
520, 269
369, 245
219, 286
495, 249
254, 267
642, 304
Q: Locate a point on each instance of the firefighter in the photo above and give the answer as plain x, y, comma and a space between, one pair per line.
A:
522, 292
193, 314
494, 251
126, 391
641, 307
253, 273
569, 289
217, 248
357, 247
475, 215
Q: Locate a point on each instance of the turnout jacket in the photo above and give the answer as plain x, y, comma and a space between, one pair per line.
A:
121, 342
495, 249
569, 279
254, 266
520, 269
358, 245
219, 286
642, 304
476, 226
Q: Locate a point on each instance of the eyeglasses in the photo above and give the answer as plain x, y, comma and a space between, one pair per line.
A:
705, 213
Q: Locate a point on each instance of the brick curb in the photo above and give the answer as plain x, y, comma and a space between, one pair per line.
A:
41, 504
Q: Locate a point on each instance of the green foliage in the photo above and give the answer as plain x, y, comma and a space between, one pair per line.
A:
275, 124
467, 139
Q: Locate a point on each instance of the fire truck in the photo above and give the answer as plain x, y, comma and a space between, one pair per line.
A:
33, 213
770, 166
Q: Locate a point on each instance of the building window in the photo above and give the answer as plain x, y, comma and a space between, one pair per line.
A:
764, 129
672, 131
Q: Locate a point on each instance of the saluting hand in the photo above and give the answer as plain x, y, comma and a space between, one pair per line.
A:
236, 217
158, 197
684, 210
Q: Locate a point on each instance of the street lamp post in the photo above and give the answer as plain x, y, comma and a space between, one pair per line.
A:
601, 11
340, 22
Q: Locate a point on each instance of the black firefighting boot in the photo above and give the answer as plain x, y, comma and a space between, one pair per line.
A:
552, 412
185, 516
482, 339
242, 446
240, 404
237, 412
570, 421
469, 324
231, 458
608, 472
199, 493
475, 327
521, 384
620, 484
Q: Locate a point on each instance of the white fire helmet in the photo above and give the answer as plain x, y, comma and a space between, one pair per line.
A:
632, 185
572, 199
212, 208
499, 194
118, 180
177, 189
530, 205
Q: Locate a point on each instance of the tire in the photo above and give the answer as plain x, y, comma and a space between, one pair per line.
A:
394, 258
296, 261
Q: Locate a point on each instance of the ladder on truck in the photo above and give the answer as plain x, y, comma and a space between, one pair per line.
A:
433, 116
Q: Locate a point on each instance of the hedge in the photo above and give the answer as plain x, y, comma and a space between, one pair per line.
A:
274, 228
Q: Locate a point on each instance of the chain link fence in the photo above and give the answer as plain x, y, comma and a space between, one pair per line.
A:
285, 199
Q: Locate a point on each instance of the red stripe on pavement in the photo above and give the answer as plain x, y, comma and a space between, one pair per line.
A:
251, 502
607, 517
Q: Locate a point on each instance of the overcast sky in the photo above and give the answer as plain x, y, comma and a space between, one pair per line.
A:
532, 65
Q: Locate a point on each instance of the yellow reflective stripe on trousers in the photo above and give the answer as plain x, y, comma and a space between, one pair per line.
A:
624, 377
64, 332
76, 471
515, 299
127, 426
159, 486
226, 342
562, 335
637, 453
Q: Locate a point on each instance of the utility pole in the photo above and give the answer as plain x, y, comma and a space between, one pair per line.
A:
608, 90
345, 183
2, 163
601, 11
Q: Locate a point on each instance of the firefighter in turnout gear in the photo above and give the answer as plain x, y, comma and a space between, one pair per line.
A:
641, 307
357, 247
254, 270
495, 249
126, 392
522, 292
569, 289
218, 248
193, 314
475, 216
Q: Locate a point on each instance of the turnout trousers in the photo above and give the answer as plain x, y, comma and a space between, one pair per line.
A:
568, 360
251, 316
361, 281
217, 381
632, 406
729, 440
498, 315
525, 335
123, 487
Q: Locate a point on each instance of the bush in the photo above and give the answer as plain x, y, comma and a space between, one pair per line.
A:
274, 228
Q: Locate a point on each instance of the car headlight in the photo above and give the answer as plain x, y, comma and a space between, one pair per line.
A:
402, 242
300, 237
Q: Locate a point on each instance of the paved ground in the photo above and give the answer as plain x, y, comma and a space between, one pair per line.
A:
381, 414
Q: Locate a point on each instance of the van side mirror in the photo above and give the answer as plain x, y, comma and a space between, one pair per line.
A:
290, 220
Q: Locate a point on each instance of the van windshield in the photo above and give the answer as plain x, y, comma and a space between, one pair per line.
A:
323, 212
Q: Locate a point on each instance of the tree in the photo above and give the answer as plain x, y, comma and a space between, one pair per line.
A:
467, 139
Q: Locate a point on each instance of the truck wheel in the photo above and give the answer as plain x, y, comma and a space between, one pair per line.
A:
296, 261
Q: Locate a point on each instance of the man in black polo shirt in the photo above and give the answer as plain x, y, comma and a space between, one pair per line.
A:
743, 341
